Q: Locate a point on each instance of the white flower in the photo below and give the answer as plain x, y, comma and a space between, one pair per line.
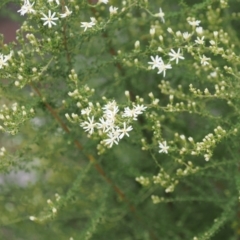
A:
66, 14
194, 23
124, 130
199, 30
186, 35
113, 137
113, 10
3, 61
131, 113
49, 19
212, 42
103, 1
87, 25
93, 19
161, 15
111, 112
110, 118
89, 125
156, 62
139, 109
163, 67
104, 124
200, 40
110, 108
178, 33
32, 218
175, 55
26, 8
170, 30
152, 31
213, 74
86, 111
204, 60
163, 147
215, 33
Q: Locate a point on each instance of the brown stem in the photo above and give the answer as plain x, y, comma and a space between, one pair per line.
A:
77, 143
79, 146
132, 96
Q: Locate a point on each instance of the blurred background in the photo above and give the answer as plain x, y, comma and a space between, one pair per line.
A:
8, 22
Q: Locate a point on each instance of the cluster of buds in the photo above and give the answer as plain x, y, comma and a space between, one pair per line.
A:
189, 169
208, 143
82, 93
14, 116
2, 151
156, 199
165, 181
144, 181
52, 205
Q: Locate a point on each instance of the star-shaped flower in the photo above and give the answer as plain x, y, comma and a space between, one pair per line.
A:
156, 62
194, 23
163, 67
186, 35
113, 10
26, 8
200, 40
89, 125
161, 15
113, 137
66, 14
204, 60
130, 113
124, 131
87, 25
175, 55
163, 147
49, 19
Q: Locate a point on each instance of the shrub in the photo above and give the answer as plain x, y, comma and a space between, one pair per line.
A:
120, 120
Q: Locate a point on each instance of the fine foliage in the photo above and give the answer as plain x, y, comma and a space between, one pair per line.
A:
120, 120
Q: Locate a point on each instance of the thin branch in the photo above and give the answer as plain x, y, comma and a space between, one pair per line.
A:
64, 32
